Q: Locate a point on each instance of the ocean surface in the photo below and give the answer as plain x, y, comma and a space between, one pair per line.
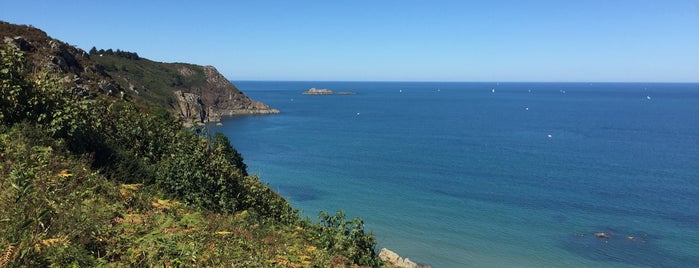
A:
490, 174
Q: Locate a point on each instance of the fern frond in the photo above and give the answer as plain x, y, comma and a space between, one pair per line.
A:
7, 255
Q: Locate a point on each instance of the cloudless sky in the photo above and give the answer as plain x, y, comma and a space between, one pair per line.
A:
407, 40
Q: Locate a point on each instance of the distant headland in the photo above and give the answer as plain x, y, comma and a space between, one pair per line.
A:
325, 91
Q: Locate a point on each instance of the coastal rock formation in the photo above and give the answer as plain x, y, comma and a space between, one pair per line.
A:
602, 235
392, 258
227, 100
214, 98
190, 106
325, 91
318, 91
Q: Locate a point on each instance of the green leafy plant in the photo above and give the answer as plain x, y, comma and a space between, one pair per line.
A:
347, 238
15, 91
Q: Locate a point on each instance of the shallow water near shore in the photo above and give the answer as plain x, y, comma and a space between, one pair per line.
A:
488, 174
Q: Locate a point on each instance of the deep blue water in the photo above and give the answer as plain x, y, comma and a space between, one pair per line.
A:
456, 175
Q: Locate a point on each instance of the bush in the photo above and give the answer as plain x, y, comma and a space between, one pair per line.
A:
347, 238
221, 144
15, 91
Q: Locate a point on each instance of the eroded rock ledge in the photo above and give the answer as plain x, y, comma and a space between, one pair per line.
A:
395, 260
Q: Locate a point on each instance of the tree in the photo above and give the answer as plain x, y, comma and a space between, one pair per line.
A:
93, 51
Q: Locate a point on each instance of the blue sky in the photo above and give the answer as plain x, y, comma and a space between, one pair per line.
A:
586, 41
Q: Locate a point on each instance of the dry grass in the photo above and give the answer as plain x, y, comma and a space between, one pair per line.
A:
51, 242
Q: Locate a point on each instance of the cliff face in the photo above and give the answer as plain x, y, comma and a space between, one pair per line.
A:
215, 97
195, 93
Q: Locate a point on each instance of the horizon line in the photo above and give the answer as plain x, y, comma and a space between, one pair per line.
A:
437, 81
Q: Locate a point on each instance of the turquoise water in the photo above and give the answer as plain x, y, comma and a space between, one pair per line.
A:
456, 175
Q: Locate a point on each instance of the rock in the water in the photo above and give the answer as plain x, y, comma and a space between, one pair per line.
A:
602, 235
318, 91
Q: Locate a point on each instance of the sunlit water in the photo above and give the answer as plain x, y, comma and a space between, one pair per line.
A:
490, 175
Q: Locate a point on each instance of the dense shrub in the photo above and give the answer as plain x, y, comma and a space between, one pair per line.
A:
14, 89
347, 238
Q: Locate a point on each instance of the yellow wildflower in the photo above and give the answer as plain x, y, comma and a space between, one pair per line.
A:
64, 174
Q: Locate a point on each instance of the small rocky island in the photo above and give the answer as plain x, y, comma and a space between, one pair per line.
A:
325, 91
318, 91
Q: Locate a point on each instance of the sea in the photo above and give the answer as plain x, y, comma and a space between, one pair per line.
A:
490, 174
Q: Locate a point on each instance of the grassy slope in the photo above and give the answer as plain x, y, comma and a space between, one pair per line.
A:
155, 81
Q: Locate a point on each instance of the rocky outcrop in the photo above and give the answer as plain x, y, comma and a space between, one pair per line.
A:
318, 91
393, 259
325, 91
602, 235
190, 107
215, 98
225, 99
47, 55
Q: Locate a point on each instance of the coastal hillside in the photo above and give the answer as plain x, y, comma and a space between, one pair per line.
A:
192, 92
91, 176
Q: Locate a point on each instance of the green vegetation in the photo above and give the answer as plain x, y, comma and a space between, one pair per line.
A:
154, 81
118, 52
90, 180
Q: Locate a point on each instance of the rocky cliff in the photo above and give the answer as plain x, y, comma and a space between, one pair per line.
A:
215, 98
195, 93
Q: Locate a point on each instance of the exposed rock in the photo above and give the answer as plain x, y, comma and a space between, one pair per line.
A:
107, 86
47, 55
184, 71
215, 78
66, 56
395, 260
325, 91
19, 42
602, 235
318, 91
221, 98
190, 106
